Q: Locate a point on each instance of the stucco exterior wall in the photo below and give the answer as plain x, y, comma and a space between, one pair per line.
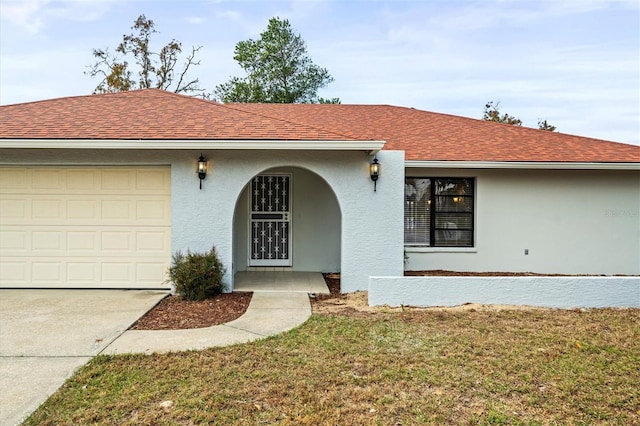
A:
571, 222
371, 234
549, 292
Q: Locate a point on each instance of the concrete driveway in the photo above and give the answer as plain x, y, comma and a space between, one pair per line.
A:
46, 335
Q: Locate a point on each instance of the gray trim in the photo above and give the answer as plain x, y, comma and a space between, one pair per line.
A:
181, 144
521, 165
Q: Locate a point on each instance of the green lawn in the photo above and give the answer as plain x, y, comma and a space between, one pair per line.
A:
427, 367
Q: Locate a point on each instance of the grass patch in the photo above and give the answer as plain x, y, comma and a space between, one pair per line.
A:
434, 367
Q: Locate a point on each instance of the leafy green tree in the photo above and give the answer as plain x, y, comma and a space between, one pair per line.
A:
278, 68
152, 69
492, 113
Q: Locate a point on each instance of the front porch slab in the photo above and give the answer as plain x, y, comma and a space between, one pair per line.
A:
278, 281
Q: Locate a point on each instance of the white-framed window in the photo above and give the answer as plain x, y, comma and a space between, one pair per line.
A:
439, 211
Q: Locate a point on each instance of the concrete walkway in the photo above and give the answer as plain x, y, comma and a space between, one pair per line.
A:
46, 335
268, 313
279, 303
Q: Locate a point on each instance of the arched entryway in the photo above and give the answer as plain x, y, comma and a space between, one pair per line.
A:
308, 228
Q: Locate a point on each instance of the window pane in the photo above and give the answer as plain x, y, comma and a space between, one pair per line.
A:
454, 238
454, 204
417, 210
454, 186
454, 221
453, 217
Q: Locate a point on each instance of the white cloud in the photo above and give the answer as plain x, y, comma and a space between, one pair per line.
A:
34, 16
196, 20
81, 10
33, 75
24, 14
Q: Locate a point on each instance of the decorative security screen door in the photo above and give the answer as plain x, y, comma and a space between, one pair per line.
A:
270, 213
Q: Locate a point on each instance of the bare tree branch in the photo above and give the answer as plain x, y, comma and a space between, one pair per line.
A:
154, 69
191, 86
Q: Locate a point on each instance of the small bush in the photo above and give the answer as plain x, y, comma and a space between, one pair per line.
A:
197, 276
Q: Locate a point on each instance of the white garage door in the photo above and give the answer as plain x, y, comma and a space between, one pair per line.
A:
106, 227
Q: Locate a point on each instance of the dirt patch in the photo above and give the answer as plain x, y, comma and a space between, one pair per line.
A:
357, 303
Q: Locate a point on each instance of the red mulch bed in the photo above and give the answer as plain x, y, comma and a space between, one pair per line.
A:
175, 313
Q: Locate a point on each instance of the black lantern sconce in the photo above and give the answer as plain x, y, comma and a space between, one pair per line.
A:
201, 169
374, 171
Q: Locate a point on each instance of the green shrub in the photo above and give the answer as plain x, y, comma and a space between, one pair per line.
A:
196, 276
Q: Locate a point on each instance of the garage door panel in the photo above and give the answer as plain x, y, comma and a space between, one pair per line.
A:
115, 242
152, 181
82, 180
116, 273
84, 227
150, 272
81, 273
82, 209
155, 210
118, 210
13, 209
14, 271
48, 209
152, 242
43, 242
13, 240
82, 241
117, 180
14, 178
47, 178
47, 271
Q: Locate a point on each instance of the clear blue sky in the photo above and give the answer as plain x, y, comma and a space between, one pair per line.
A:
575, 63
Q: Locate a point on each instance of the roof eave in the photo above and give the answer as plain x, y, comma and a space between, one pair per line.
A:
541, 165
178, 144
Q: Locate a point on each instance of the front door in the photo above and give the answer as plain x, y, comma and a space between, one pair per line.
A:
270, 220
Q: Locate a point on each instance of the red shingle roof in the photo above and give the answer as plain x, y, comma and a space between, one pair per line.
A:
145, 114
160, 115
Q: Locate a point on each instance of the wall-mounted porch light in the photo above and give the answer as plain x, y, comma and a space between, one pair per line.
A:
201, 169
374, 171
